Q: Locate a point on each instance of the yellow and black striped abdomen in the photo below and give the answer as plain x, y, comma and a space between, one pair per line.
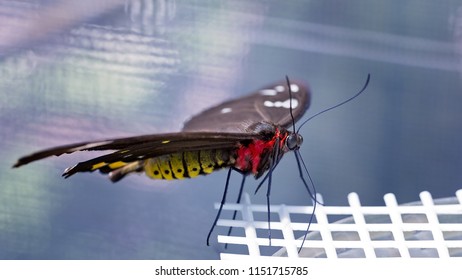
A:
187, 164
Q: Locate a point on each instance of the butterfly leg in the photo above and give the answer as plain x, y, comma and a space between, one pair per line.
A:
268, 192
223, 200
300, 161
264, 179
274, 160
299, 165
239, 196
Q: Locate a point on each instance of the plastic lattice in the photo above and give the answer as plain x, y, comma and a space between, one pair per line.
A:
429, 228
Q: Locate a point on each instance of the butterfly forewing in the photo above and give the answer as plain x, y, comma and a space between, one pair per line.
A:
271, 104
225, 127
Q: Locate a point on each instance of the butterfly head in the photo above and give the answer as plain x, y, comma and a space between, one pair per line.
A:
294, 141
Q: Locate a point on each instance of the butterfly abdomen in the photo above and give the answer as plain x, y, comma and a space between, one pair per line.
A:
188, 164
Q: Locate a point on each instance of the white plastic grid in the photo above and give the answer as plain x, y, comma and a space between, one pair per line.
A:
426, 229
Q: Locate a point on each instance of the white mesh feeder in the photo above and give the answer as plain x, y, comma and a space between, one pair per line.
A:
425, 229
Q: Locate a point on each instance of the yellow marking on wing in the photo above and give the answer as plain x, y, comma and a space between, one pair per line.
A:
165, 141
117, 164
206, 161
191, 159
176, 161
98, 165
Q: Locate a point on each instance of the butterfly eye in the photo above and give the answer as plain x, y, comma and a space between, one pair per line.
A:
294, 141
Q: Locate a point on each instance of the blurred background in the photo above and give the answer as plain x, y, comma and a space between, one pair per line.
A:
72, 71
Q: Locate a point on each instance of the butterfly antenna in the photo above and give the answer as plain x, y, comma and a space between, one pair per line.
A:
340, 104
293, 126
290, 102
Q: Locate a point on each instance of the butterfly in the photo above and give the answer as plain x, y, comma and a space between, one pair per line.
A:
248, 135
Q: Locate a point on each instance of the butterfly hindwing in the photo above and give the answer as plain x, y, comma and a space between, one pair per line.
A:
269, 104
138, 148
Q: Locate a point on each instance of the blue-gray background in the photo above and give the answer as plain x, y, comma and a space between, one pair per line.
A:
78, 70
